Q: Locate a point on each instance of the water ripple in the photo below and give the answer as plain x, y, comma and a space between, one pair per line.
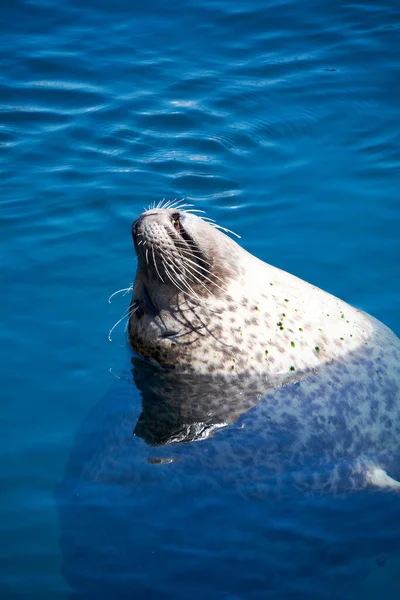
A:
280, 119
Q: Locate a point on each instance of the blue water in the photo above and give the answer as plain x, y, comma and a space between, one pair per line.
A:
281, 120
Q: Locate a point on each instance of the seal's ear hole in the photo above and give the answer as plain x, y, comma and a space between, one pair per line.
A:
176, 221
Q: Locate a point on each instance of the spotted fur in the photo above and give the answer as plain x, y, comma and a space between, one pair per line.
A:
327, 372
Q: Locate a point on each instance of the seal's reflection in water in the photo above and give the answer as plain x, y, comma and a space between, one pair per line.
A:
189, 407
311, 432
188, 507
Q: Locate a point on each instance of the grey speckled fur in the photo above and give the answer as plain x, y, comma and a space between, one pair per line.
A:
328, 374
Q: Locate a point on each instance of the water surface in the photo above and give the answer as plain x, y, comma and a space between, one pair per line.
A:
281, 120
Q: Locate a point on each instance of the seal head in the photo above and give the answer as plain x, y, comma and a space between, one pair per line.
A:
180, 288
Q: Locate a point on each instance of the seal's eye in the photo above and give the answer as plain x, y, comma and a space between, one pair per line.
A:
176, 221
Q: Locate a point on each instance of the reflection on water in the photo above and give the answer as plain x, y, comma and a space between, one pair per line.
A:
261, 490
191, 407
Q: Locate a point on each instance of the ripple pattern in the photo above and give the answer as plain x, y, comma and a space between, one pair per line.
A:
281, 119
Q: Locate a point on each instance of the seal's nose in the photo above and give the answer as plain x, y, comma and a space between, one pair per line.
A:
153, 215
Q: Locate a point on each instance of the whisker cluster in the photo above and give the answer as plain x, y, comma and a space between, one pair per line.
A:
126, 315
169, 204
182, 206
184, 266
123, 291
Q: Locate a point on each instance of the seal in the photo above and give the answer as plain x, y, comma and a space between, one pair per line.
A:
202, 306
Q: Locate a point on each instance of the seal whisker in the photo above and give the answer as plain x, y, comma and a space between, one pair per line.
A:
191, 249
225, 229
166, 203
189, 270
207, 270
182, 206
193, 270
153, 205
173, 204
189, 245
184, 253
140, 253
172, 280
192, 210
202, 273
177, 204
124, 290
185, 248
183, 281
187, 285
213, 223
171, 264
155, 264
209, 219
126, 315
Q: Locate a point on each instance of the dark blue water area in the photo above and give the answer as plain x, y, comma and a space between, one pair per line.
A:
281, 120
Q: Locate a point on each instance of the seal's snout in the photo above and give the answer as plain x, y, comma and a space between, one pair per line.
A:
139, 224
150, 221
154, 232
